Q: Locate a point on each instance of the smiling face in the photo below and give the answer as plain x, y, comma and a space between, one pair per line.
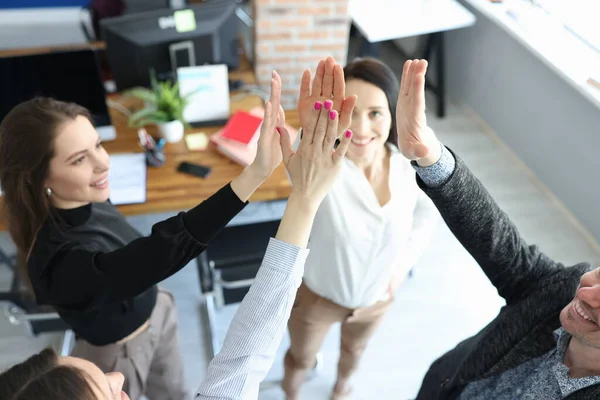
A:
371, 122
581, 316
105, 386
78, 172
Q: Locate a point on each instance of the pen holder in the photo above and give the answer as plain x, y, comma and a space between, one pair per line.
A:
155, 158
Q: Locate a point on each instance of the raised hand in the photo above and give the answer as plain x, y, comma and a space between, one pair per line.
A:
328, 88
416, 140
315, 165
268, 155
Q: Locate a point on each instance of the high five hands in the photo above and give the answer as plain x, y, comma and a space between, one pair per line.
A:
314, 166
328, 90
416, 139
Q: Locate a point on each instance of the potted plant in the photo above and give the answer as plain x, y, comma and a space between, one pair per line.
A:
163, 106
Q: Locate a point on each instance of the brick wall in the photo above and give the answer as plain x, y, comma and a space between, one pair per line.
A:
292, 35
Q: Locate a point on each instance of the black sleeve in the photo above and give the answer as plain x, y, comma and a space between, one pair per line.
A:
513, 266
75, 275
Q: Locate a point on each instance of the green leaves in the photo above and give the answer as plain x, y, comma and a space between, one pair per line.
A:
163, 103
147, 116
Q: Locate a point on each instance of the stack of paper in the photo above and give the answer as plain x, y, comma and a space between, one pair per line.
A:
127, 178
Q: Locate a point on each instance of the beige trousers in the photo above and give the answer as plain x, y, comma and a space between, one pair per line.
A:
312, 317
150, 361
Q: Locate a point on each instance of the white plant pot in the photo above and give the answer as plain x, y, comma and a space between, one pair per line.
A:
171, 131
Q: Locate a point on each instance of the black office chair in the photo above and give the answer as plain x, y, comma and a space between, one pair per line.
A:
227, 269
23, 310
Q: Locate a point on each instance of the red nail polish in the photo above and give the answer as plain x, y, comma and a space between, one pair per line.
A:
318, 105
348, 133
328, 104
332, 114
278, 130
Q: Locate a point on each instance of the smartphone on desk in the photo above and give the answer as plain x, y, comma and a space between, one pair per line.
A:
200, 171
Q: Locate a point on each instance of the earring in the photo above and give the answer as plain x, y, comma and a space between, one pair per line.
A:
48, 192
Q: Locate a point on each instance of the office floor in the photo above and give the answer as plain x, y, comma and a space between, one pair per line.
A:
446, 300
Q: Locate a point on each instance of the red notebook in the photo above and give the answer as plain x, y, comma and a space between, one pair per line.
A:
244, 155
241, 128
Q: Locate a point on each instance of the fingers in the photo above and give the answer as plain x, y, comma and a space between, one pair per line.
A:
339, 87
340, 152
327, 89
418, 85
410, 85
346, 114
404, 81
268, 124
409, 77
275, 98
308, 131
286, 144
321, 128
318, 79
281, 117
305, 84
331, 133
417, 89
277, 78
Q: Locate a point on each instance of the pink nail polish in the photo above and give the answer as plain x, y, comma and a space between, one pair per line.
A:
348, 133
318, 105
332, 114
328, 104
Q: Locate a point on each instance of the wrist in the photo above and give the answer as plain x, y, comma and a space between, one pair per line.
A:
304, 203
256, 173
434, 155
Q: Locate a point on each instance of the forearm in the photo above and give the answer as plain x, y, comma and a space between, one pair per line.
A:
297, 221
256, 331
208, 218
484, 229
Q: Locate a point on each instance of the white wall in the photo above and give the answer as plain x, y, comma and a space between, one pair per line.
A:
38, 27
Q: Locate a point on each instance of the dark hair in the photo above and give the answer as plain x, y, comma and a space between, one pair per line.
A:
26, 147
379, 74
42, 377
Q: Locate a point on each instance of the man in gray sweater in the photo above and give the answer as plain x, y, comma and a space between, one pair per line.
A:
545, 343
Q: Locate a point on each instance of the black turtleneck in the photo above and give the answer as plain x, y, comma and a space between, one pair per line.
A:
100, 273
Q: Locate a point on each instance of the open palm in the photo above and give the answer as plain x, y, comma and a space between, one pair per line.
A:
268, 155
415, 138
328, 84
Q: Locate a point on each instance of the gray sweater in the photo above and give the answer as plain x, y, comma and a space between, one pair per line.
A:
535, 287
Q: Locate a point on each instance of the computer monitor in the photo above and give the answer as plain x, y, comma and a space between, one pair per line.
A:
72, 76
164, 40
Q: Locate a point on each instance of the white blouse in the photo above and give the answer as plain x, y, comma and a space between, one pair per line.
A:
357, 245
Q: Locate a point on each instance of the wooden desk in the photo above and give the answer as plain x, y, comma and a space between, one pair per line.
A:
169, 190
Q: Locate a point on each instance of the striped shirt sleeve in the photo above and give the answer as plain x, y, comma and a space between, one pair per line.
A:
256, 331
